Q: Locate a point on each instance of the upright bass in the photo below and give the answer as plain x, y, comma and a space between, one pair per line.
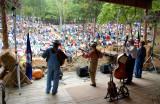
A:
122, 60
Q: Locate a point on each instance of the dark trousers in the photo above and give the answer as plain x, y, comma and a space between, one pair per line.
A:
138, 67
130, 68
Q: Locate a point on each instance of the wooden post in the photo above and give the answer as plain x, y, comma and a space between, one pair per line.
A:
4, 25
145, 28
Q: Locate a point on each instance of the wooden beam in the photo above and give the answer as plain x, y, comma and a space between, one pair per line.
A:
145, 4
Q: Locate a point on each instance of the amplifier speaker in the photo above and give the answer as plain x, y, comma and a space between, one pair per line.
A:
105, 68
82, 71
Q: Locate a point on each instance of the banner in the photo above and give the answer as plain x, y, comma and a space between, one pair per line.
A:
28, 59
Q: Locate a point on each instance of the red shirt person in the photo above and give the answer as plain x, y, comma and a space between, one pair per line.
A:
93, 55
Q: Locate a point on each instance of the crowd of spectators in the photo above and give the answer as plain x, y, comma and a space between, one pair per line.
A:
71, 36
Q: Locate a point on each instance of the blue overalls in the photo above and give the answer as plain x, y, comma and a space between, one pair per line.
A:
141, 53
53, 72
138, 67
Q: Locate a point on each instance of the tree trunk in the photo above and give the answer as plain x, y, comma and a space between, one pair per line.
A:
20, 18
60, 11
33, 14
145, 28
154, 33
131, 30
117, 34
78, 30
61, 16
140, 30
40, 10
94, 27
117, 28
125, 28
83, 29
4, 25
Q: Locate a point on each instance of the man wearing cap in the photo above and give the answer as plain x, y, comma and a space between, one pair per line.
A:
141, 54
93, 55
53, 66
132, 54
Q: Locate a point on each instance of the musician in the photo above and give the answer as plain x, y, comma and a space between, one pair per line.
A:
53, 66
132, 54
141, 54
93, 55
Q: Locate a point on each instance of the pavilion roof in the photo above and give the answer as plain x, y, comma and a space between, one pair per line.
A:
145, 4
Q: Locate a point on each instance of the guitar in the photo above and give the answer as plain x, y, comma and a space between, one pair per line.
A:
112, 89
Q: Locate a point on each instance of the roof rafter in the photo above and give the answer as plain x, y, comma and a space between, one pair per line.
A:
145, 4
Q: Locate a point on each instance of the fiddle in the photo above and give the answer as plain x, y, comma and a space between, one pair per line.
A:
83, 50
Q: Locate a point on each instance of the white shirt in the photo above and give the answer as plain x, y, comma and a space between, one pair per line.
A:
132, 51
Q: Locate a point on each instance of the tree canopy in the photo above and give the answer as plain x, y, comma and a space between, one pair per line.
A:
81, 10
112, 12
71, 10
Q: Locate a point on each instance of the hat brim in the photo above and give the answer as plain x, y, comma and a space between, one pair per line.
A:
56, 43
130, 41
93, 45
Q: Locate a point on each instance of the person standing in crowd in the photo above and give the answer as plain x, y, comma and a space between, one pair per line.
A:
141, 54
94, 55
132, 54
53, 66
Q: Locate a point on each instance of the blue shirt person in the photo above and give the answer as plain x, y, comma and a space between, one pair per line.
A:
141, 54
53, 66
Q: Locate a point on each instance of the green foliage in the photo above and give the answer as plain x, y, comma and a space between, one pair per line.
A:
83, 10
113, 12
51, 10
107, 13
71, 9
33, 6
155, 5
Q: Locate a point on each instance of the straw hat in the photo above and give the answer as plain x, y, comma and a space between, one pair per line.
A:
94, 44
131, 40
56, 42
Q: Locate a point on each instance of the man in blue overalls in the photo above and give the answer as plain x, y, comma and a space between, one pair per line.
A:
53, 66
